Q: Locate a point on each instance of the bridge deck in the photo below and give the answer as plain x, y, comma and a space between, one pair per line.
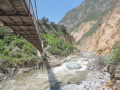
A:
19, 16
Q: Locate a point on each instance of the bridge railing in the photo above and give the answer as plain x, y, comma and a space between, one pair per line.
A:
31, 6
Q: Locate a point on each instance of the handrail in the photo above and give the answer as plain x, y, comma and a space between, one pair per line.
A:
34, 15
30, 4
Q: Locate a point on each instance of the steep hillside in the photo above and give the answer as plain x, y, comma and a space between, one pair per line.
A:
15, 51
95, 25
87, 11
55, 38
107, 35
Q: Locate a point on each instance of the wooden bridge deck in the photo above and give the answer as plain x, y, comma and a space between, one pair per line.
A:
20, 17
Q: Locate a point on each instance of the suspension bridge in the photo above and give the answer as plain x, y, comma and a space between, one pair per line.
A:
21, 16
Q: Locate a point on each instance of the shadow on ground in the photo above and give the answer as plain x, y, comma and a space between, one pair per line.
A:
54, 84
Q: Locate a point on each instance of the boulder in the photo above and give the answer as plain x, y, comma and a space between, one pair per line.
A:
72, 87
24, 70
54, 62
73, 65
117, 85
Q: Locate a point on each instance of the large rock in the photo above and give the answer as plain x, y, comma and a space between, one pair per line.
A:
72, 87
117, 85
73, 65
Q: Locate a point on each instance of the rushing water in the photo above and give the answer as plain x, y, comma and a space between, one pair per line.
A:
44, 79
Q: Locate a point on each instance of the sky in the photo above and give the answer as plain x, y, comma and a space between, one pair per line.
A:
55, 10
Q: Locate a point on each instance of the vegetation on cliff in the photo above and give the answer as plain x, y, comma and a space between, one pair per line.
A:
114, 56
89, 10
56, 37
116, 52
15, 50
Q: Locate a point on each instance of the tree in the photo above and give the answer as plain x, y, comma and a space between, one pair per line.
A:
53, 25
45, 20
63, 28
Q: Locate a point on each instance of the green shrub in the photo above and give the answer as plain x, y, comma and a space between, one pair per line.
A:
29, 49
19, 43
8, 62
116, 54
58, 46
118, 63
109, 58
55, 51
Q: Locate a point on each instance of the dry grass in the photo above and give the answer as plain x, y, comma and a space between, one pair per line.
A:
108, 85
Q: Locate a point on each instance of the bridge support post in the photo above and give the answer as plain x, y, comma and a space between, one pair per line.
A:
38, 53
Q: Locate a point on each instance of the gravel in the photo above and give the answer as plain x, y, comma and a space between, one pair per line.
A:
96, 80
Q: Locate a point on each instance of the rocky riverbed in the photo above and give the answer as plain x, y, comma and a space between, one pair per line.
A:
87, 77
96, 80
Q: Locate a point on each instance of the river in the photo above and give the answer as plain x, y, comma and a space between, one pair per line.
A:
50, 79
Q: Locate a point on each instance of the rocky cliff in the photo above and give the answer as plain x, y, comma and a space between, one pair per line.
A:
95, 25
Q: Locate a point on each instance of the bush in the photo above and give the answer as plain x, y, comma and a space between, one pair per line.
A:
118, 63
8, 62
3, 31
114, 56
19, 43
109, 58
14, 48
55, 51
58, 46
29, 49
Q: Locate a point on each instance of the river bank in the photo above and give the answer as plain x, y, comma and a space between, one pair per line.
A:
7, 73
43, 79
95, 80
92, 75
25, 67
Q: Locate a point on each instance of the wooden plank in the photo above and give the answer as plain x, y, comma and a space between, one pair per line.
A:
11, 6
11, 20
4, 23
14, 15
1, 11
22, 25
23, 22
24, 6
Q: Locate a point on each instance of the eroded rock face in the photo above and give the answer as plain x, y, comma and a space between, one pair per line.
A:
115, 76
88, 10
117, 85
83, 28
106, 36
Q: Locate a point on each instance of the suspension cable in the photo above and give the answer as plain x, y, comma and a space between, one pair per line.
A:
36, 9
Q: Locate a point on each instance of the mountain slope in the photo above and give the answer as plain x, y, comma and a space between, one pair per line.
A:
88, 10
94, 25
